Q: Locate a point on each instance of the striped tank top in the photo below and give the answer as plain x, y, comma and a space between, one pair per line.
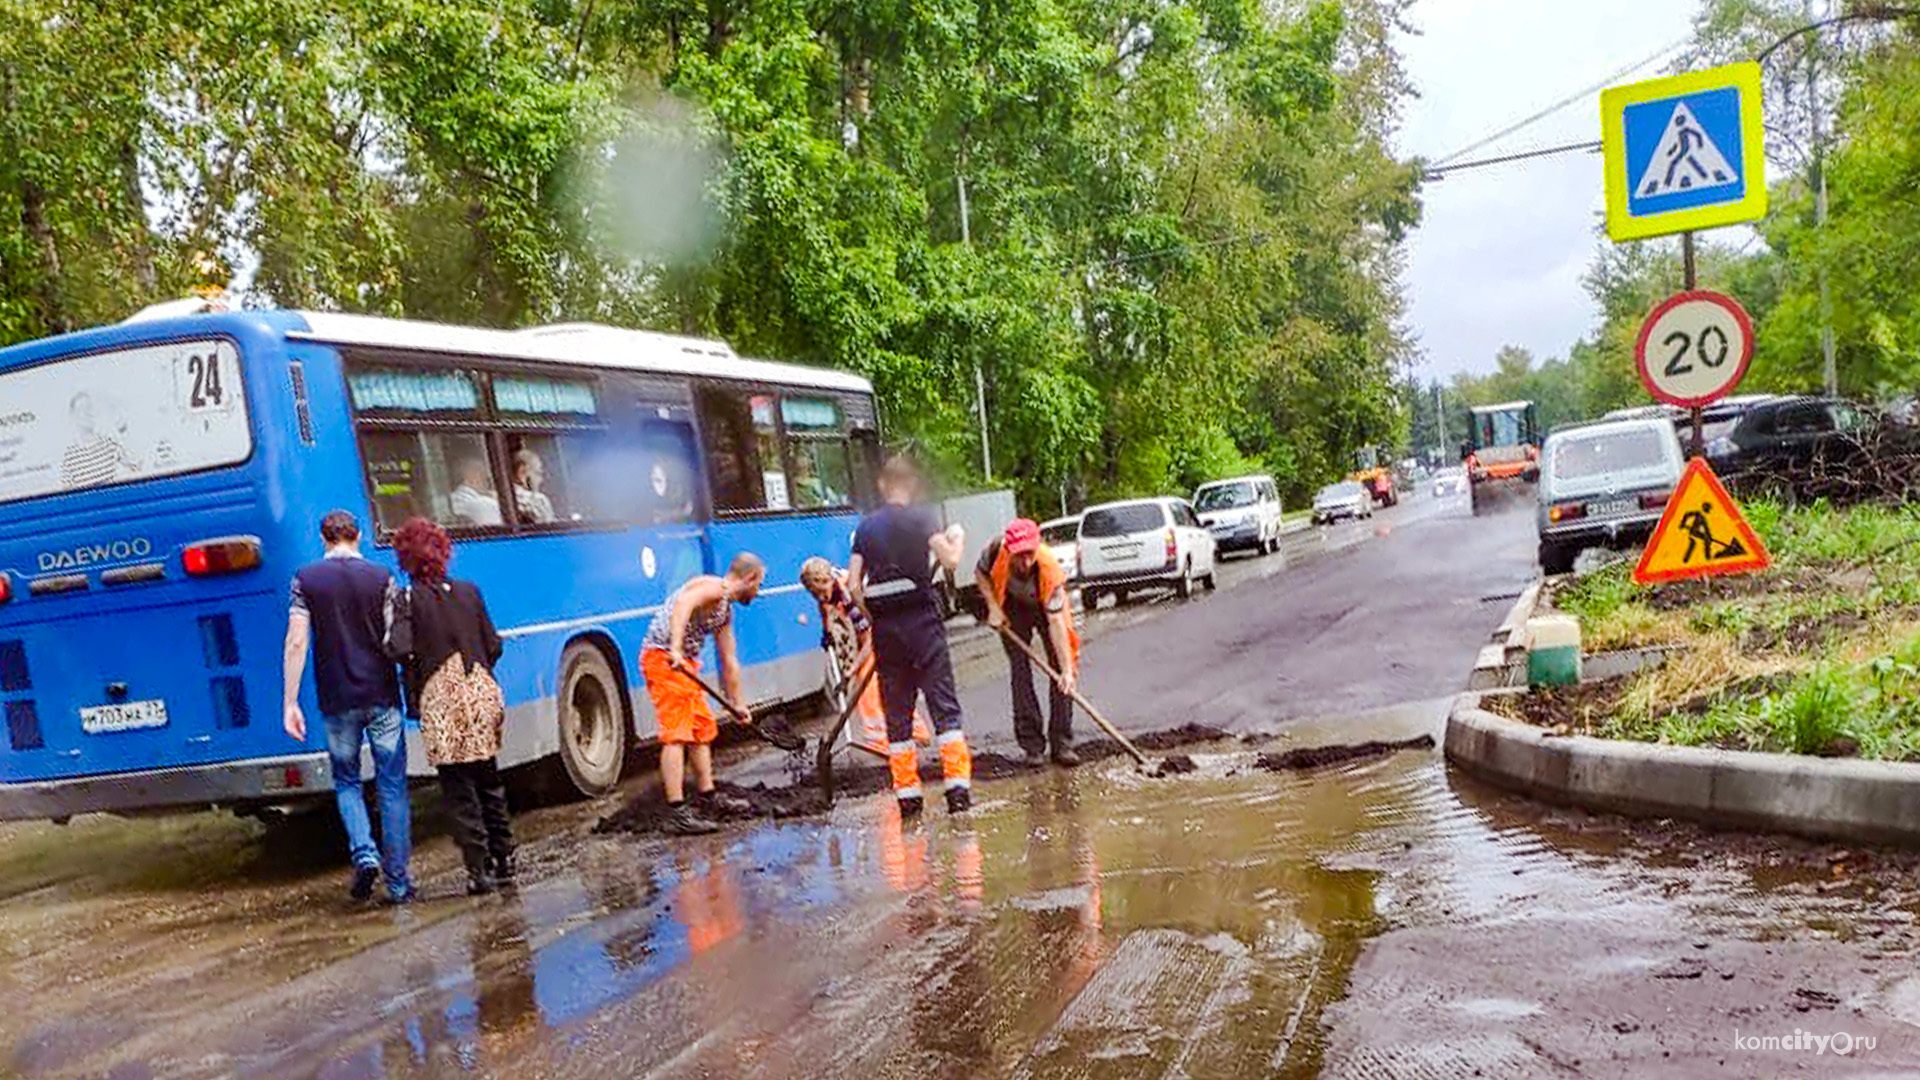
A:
699, 627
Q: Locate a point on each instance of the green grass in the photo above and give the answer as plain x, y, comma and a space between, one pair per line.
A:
1820, 654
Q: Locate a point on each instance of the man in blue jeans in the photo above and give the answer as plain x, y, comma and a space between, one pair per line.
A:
345, 605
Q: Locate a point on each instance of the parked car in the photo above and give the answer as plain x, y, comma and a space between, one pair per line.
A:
1143, 544
1789, 432
1062, 537
1346, 499
1604, 485
1242, 513
1449, 482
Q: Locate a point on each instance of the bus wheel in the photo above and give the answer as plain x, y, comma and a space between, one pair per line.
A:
593, 728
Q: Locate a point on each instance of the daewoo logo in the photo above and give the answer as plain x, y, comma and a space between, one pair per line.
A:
138, 547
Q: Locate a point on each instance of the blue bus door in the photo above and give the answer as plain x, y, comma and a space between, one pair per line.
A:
673, 544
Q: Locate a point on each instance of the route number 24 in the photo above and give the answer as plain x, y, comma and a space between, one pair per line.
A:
204, 374
1712, 348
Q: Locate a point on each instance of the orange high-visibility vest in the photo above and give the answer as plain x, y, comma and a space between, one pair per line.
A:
1053, 580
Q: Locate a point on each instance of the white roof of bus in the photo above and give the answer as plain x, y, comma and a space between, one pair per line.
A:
590, 344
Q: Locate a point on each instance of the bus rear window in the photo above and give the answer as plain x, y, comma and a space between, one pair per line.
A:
115, 417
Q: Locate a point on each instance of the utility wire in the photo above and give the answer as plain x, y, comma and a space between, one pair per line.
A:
1440, 172
1566, 102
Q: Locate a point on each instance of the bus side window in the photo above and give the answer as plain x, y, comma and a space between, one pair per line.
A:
443, 476
817, 442
732, 447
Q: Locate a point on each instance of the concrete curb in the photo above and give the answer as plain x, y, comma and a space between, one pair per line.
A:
1503, 660
1820, 798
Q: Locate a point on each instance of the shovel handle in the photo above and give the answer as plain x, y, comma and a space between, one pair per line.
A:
1079, 699
824, 757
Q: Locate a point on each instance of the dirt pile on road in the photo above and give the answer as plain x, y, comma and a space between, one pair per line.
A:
803, 797
1314, 757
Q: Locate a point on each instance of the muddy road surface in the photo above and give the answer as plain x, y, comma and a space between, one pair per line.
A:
1374, 917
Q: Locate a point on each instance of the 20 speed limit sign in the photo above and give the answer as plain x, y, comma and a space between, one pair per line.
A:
1694, 348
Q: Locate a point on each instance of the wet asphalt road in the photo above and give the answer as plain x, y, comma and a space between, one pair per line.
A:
1381, 919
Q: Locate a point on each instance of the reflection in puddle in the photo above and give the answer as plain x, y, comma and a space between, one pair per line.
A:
1089, 924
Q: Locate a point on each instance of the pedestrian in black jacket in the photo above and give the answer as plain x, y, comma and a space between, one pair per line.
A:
445, 641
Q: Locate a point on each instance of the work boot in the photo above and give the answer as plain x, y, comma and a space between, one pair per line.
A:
1036, 759
481, 885
1065, 756
719, 804
910, 807
959, 800
682, 821
505, 869
363, 878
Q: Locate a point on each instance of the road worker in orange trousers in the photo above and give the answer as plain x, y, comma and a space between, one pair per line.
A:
847, 636
1025, 591
891, 579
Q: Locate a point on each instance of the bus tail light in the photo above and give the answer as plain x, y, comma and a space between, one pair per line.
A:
225, 555
6, 586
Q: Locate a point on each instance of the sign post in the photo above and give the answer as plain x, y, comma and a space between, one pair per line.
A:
1683, 153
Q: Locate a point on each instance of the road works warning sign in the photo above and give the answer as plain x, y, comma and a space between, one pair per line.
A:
1701, 533
1684, 152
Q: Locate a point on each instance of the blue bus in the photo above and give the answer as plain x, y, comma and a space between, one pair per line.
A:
160, 481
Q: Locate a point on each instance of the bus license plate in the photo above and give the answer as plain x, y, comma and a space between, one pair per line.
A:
127, 716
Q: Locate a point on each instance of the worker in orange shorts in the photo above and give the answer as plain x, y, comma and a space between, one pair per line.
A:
669, 658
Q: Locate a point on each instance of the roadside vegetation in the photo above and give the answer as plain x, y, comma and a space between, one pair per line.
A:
1819, 655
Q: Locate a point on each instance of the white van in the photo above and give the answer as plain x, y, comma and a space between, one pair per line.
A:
1241, 513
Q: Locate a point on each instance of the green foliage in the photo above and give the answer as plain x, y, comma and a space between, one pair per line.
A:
1178, 252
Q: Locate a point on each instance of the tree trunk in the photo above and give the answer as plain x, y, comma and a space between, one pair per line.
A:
46, 289
140, 247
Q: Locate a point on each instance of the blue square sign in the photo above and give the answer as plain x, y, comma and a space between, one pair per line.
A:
1684, 152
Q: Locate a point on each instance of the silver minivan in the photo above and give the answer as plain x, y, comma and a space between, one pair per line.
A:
1604, 485
1242, 513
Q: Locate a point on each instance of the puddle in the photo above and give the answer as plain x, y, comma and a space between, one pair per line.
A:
1098, 923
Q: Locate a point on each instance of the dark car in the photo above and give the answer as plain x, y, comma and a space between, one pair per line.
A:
1787, 433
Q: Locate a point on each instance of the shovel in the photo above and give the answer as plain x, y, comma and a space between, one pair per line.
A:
1079, 699
785, 740
824, 760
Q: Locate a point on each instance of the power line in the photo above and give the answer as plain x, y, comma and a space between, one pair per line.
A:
1439, 172
1570, 100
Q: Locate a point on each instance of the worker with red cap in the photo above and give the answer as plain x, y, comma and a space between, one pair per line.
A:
1025, 591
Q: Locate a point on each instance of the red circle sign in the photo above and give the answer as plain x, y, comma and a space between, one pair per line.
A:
1694, 348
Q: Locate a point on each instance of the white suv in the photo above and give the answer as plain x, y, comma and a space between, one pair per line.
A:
1143, 544
1243, 513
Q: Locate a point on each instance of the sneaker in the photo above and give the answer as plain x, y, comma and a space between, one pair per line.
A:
682, 821
481, 886
401, 899
1036, 759
959, 800
910, 807
363, 879
506, 870
1065, 757
721, 804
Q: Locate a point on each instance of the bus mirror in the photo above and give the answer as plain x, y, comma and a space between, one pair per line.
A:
225, 555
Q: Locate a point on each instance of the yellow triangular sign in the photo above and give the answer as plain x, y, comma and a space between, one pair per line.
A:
1702, 532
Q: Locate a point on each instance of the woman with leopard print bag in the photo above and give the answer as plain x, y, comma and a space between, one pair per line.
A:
445, 641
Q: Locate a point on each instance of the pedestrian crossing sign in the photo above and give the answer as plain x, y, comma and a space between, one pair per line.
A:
1702, 532
1684, 152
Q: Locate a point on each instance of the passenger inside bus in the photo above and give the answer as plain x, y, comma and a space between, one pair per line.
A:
473, 502
531, 505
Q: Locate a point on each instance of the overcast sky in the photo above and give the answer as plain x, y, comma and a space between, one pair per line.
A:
1500, 251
